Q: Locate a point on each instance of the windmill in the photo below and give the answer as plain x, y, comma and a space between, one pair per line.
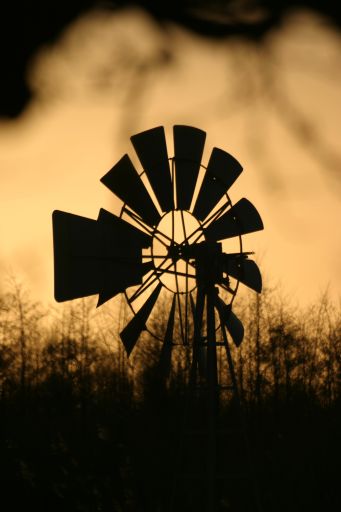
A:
178, 239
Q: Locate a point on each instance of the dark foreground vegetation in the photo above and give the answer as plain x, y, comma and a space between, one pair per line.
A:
83, 429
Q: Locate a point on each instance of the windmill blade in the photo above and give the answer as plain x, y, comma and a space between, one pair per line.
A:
147, 267
166, 351
246, 271
115, 279
222, 171
242, 218
235, 328
124, 181
230, 321
132, 331
103, 256
120, 255
151, 149
117, 233
188, 148
75, 246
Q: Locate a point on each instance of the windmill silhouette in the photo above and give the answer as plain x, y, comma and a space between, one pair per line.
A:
167, 243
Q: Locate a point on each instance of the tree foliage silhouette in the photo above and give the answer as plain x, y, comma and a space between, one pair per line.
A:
84, 428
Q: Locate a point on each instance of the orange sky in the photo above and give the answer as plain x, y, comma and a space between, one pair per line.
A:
79, 126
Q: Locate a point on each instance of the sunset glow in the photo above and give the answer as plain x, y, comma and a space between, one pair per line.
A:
94, 90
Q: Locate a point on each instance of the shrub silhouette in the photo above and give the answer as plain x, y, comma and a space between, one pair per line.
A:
84, 429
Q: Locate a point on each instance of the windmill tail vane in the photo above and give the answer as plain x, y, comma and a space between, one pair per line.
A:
178, 239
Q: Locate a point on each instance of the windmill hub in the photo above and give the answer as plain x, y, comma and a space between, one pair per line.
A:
170, 246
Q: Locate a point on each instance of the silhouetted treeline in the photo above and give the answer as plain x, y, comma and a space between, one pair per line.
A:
85, 429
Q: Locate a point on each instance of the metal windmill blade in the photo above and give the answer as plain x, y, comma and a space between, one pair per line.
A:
132, 331
86, 252
231, 321
188, 148
124, 181
167, 346
151, 149
244, 270
222, 171
146, 255
241, 219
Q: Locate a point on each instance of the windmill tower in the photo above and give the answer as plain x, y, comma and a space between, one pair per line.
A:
178, 238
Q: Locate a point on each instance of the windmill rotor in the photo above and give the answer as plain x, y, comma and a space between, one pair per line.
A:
177, 230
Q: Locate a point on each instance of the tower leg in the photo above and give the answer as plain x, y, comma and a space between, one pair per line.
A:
252, 476
212, 401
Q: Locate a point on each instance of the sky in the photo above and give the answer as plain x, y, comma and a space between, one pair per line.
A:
276, 109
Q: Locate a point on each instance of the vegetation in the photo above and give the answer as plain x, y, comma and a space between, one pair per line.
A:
84, 429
